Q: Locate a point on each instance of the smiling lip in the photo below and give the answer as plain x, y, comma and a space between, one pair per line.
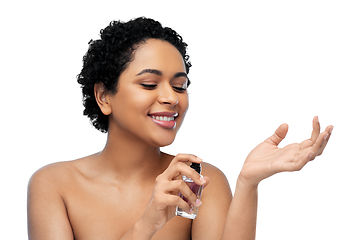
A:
164, 119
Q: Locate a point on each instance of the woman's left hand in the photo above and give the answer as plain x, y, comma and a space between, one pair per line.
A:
267, 159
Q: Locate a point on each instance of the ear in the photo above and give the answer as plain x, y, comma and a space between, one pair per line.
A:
102, 98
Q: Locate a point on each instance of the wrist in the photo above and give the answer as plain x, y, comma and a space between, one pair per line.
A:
142, 230
245, 190
246, 184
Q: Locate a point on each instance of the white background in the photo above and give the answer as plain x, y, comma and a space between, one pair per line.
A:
256, 64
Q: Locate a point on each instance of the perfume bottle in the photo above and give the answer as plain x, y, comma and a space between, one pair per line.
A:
197, 189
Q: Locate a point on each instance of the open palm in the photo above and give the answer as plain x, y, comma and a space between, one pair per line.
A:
268, 159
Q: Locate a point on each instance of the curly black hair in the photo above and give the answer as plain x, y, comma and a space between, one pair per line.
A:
109, 56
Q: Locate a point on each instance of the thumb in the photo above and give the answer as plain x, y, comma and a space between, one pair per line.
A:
279, 135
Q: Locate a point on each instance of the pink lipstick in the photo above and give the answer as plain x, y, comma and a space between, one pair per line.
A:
164, 119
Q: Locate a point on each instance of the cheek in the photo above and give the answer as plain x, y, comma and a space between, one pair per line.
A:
134, 100
183, 104
141, 100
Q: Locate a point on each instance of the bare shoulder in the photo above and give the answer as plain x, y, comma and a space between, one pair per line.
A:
211, 168
53, 174
215, 174
216, 199
57, 177
47, 213
218, 188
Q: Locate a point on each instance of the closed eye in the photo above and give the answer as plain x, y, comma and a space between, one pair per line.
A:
179, 89
149, 86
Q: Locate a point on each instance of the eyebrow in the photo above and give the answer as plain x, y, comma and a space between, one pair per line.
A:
159, 73
152, 71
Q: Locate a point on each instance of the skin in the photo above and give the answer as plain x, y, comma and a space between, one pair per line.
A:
130, 189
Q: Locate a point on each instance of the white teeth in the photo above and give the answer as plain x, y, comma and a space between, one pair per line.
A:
163, 118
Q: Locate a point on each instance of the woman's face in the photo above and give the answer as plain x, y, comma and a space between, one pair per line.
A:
152, 99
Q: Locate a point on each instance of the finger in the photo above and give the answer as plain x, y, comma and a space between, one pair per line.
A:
207, 179
314, 134
181, 168
179, 186
329, 130
279, 135
316, 129
319, 143
179, 158
185, 158
176, 201
166, 194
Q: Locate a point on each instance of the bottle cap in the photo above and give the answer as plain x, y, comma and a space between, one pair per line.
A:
196, 167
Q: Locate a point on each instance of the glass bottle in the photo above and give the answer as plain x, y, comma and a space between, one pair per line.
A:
197, 190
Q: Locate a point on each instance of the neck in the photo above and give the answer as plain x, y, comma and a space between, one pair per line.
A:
129, 158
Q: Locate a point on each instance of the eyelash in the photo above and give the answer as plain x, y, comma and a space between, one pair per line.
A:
149, 86
153, 86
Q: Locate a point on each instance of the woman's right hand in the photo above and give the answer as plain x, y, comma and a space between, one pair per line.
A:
165, 197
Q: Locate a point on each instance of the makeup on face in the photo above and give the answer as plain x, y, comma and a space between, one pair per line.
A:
197, 190
151, 99
164, 119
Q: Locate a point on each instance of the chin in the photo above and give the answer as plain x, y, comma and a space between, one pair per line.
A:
163, 142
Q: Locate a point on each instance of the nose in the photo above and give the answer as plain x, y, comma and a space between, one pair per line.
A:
167, 95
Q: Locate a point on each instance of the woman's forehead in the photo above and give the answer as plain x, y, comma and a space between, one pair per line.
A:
157, 54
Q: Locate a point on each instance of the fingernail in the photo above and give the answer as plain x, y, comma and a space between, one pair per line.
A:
331, 129
199, 159
202, 179
198, 202
310, 155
